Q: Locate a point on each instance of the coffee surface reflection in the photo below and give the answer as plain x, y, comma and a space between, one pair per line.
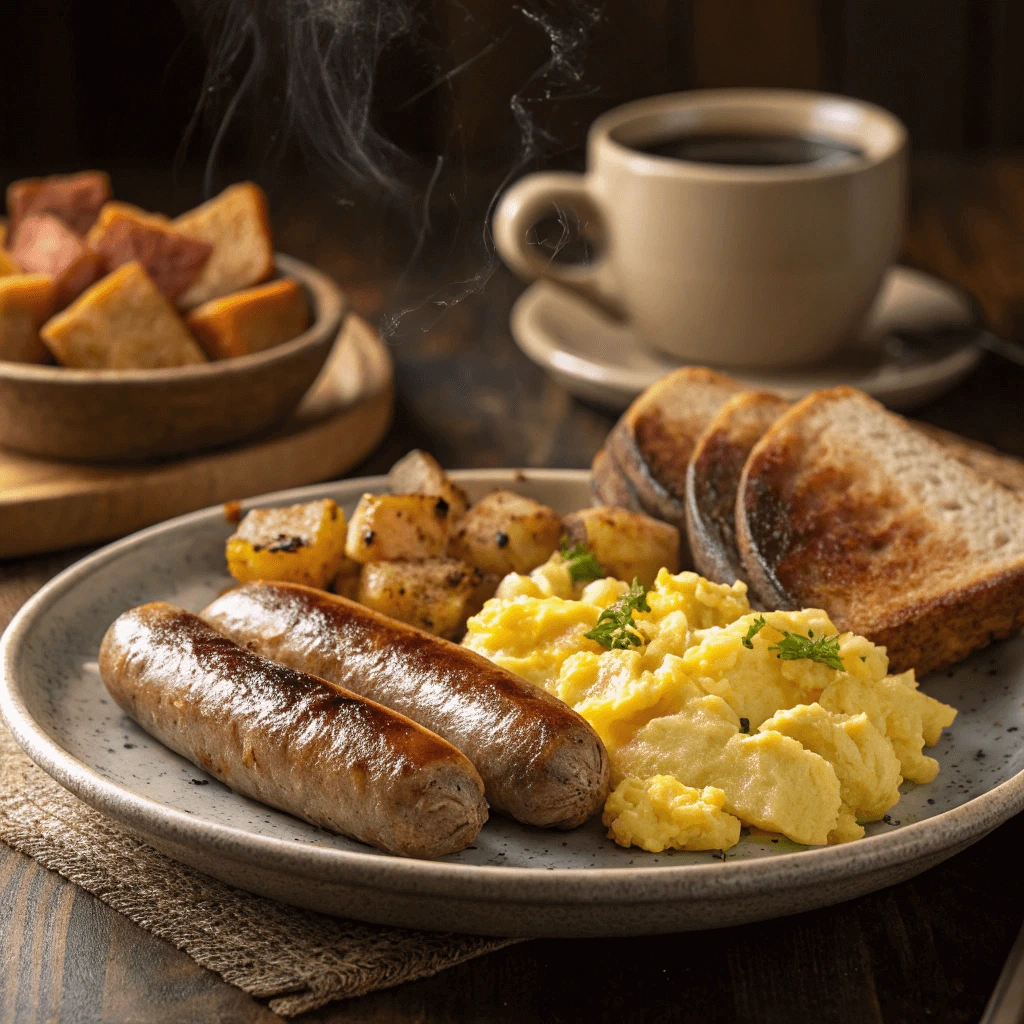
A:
753, 150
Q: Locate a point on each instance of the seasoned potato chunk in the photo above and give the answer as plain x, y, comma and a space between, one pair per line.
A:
75, 198
625, 543
505, 532
296, 544
386, 527
420, 473
437, 595
44, 244
26, 300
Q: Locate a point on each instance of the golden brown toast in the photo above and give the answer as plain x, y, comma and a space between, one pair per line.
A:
845, 506
26, 300
992, 464
713, 478
250, 320
654, 438
237, 224
121, 323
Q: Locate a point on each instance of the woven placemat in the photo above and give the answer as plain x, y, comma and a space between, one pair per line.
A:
297, 959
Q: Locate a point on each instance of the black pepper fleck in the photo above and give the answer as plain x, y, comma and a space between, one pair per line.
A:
502, 539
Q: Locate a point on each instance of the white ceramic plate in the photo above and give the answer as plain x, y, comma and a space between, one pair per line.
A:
603, 362
514, 880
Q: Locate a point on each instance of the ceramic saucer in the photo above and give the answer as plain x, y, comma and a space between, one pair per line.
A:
603, 362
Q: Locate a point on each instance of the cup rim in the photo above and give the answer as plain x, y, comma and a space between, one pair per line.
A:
887, 139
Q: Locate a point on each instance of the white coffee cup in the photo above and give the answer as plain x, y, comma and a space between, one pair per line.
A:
718, 263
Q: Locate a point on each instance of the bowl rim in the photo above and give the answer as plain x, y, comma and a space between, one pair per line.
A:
329, 305
945, 832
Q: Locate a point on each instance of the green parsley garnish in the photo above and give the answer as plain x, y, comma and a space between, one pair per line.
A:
794, 647
613, 624
745, 725
583, 566
755, 627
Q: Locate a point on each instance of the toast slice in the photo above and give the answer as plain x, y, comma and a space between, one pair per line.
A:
123, 234
26, 300
713, 478
250, 320
43, 244
121, 323
609, 485
654, 439
237, 224
994, 465
847, 507
74, 198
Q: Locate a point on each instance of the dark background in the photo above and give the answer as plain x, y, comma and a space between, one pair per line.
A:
117, 81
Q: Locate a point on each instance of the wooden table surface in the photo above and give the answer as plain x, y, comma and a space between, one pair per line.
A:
927, 950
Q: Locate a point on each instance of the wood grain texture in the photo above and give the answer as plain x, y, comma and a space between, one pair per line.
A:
47, 505
928, 950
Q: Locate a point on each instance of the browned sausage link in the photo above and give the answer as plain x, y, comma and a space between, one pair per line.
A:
540, 761
290, 740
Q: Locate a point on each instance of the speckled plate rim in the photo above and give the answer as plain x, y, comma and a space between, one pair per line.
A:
948, 830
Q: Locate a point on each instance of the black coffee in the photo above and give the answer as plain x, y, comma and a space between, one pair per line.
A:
753, 150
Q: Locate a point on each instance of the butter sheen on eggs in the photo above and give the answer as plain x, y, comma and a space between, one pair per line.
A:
705, 733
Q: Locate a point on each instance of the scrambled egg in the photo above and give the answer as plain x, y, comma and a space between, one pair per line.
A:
706, 726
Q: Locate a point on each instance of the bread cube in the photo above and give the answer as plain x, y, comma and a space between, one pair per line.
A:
237, 224
8, 264
123, 233
386, 527
74, 198
420, 473
295, 544
436, 595
44, 244
26, 300
505, 532
121, 323
626, 544
250, 320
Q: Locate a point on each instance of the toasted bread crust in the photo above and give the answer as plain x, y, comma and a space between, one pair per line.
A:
609, 485
713, 478
837, 528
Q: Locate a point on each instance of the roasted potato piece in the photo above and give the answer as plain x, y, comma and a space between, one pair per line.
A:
75, 198
505, 532
296, 544
625, 543
420, 473
8, 264
121, 323
250, 320
44, 244
437, 595
237, 224
390, 527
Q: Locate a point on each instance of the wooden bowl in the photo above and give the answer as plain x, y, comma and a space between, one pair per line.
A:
132, 415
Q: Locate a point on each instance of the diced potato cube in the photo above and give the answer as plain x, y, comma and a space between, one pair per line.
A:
26, 300
420, 473
295, 544
389, 527
505, 532
437, 595
44, 244
251, 320
75, 198
122, 322
237, 224
122, 233
625, 543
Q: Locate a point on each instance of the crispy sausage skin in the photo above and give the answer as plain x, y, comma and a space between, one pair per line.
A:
289, 739
540, 761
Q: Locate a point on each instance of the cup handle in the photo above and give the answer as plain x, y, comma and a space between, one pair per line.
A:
527, 202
